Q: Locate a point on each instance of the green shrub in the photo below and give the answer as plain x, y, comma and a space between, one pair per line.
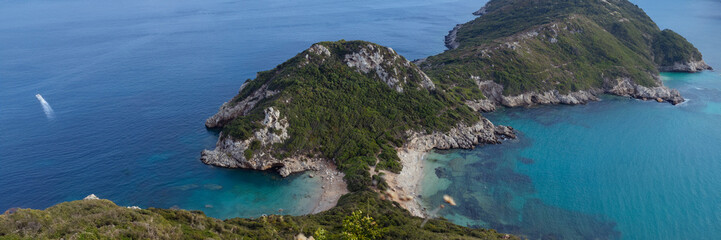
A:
360, 227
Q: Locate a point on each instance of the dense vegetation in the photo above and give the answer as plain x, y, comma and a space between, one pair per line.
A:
338, 113
670, 47
358, 215
565, 45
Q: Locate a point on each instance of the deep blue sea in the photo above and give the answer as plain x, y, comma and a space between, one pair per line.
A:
132, 81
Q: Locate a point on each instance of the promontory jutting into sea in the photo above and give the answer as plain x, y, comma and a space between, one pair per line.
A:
570, 119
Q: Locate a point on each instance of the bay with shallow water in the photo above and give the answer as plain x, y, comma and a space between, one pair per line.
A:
615, 169
131, 82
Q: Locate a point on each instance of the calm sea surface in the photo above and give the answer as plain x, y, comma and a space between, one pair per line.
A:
131, 82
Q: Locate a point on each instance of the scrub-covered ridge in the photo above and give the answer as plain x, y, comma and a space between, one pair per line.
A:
94, 218
522, 52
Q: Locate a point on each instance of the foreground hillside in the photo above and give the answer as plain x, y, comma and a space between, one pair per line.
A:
102, 219
523, 52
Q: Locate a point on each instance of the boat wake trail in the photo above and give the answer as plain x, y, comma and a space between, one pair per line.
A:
46, 107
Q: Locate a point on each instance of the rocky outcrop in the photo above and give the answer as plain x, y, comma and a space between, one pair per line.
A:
620, 87
481, 11
230, 110
462, 136
494, 94
483, 105
451, 41
233, 153
550, 97
319, 50
626, 87
91, 197
690, 67
383, 62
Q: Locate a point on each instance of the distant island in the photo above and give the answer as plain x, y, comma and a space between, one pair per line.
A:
361, 117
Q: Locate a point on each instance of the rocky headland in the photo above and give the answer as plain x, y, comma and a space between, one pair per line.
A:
527, 67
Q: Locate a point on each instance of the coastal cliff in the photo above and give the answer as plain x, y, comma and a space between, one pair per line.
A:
560, 52
673, 53
620, 87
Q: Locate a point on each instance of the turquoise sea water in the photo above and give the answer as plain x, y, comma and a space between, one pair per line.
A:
132, 81
615, 169
610, 169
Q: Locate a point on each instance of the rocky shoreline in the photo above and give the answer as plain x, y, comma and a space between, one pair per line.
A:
620, 87
689, 67
404, 187
232, 153
450, 39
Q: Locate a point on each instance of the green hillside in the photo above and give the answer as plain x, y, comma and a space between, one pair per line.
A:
102, 219
566, 45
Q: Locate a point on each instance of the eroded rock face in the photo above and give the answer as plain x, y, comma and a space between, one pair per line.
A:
483, 105
231, 153
372, 58
462, 136
620, 87
550, 97
319, 50
690, 67
230, 110
91, 197
494, 94
481, 11
625, 87
451, 41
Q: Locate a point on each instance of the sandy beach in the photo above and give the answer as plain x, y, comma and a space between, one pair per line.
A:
332, 188
405, 187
